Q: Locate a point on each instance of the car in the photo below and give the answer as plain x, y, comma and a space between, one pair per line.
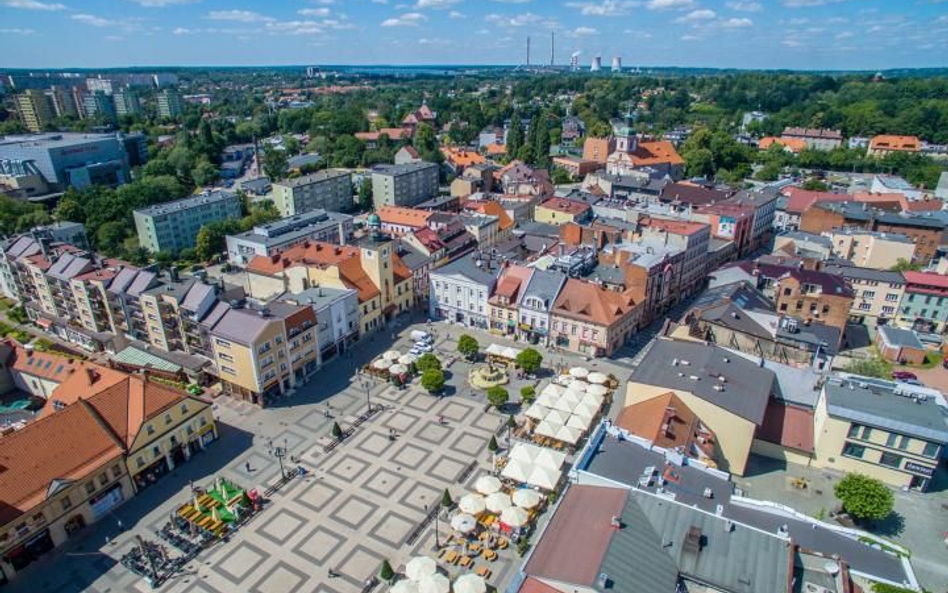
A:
423, 347
415, 352
904, 376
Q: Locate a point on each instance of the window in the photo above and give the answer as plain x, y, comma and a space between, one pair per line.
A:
67, 504
826, 309
891, 460
904, 443
888, 310
103, 479
184, 408
891, 297
228, 370
865, 306
866, 433
167, 418
151, 429
853, 450
931, 450
786, 292
156, 451
222, 343
868, 294
890, 440
854, 430
140, 462
116, 471
90, 487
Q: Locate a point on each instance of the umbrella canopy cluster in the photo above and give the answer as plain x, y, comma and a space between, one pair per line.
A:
565, 414
423, 577
537, 466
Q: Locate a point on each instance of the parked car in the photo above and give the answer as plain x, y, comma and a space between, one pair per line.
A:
904, 376
421, 336
422, 346
415, 351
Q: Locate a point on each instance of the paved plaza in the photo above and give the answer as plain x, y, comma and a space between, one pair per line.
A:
358, 505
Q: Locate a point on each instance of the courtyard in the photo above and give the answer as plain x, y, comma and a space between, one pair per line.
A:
363, 502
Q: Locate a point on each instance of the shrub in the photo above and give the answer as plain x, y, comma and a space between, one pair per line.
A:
386, 573
492, 446
528, 393
864, 498
336, 430
446, 501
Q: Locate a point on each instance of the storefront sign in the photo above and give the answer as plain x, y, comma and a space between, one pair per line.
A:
919, 469
104, 502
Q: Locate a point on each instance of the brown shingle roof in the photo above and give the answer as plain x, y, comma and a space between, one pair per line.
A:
401, 216
589, 302
567, 206
787, 425
665, 420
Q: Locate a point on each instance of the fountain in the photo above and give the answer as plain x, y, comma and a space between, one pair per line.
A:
487, 376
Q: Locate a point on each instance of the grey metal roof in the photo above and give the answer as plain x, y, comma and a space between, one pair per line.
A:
412, 257
896, 237
175, 290
404, 169
624, 462
466, 266
313, 178
865, 274
745, 392
544, 285
537, 228
900, 338
122, 280
241, 325
303, 159
68, 266
143, 281
317, 297
808, 237
199, 291
873, 405
288, 230
188, 203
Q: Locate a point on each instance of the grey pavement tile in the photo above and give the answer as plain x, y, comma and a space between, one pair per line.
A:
347, 468
410, 456
469, 445
384, 483
400, 421
281, 578
354, 511
239, 562
359, 565
280, 525
318, 495
293, 441
456, 410
434, 433
319, 545
392, 529
446, 470
373, 443
421, 495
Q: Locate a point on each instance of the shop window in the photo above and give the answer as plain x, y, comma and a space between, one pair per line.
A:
891, 460
931, 450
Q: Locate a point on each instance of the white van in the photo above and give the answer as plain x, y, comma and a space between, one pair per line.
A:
420, 336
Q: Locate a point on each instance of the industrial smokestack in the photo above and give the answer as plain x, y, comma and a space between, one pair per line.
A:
528, 50
574, 61
596, 64
617, 64
552, 47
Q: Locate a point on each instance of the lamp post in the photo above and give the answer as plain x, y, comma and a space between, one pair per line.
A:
279, 453
368, 397
437, 530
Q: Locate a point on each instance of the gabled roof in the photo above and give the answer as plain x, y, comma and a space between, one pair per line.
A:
401, 216
566, 206
900, 143
511, 283
128, 404
590, 302
45, 365
490, 208
658, 152
800, 199
665, 420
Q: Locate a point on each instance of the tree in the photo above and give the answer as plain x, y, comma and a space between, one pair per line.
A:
864, 498
561, 176
446, 501
497, 396
492, 446
541, 147
69, 209
275, 163
514, 136
427, 362
529, 360
468, 347
873, 367
904, 265
432, 380
204, 173
814, 184
336, 431
385, 572
528, 393
365, 195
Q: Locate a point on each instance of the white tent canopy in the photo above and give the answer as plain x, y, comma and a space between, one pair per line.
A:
597, 389
535, 455
547, 429
597, 378
547, 399
381, 364
543, 477
579, 372
405, 586
470, 583
537, 466
568, 434
398, 369
552, 389
502, 351
435, 583
517, 471
578, 422
498, 501
564, 380
562, 405
391, 355
556, 416
537, 411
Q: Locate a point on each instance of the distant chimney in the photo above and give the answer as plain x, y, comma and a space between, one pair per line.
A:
92, 375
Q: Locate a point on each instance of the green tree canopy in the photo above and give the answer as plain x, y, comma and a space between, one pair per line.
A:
426, 362
497, 396
864, 498
529, 360
432, 380
275, 163
468, 346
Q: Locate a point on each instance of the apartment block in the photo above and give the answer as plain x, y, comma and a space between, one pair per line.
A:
276, 237
877, 293
325, 190
404, 185
34, 109
173, 226
127, 102
170, 105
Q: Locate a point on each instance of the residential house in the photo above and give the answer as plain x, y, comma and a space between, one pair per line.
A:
924, 305
559, 211
730, 221
406, 155
598, 149
535, 304
900, 346
815, 139
884, 145
459, 292
457, 160
503, 305
398, 221
337, 317
871, 249
878, 293
329, 190
592, 320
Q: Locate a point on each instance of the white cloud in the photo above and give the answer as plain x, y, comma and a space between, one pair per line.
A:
95, 21
434, 41
605, 8
241, 16
182, 31
435, 4
742, 6
582, 32
512, 1
18, 31
380, 1
455, 15
735, 23
409, 19
520, 20
809, 3
670, 4
845, 35
690, 38
313, 12
697, 16
32, 5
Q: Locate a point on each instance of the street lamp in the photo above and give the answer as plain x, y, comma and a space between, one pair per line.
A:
437, 530
279, 453
368, 397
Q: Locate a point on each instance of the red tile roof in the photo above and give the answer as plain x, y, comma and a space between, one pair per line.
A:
665, 420
800, 199
787, 425
897, 143
566, 206
926, 279
658, 152
791, 144
400, 216
586, 301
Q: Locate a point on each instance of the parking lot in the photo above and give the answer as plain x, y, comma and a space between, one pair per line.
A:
358, 505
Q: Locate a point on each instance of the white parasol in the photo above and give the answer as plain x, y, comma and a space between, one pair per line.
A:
568, 434
546, 429
398, 369
514, 516
597, 389
564, 380
420, 567
487, 485
549, 458
407, 359
526, 498
435, 583
498, 501
578, 422
546, 399
381, 364
557, 417
391, 355
553, 389
585, 410
563, 405
593, 399
578, 387
470, 583
472, 503
597, 378
463, 523
579, 372
405, 586
544, 477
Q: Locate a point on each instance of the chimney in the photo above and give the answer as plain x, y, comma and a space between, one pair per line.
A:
92, 375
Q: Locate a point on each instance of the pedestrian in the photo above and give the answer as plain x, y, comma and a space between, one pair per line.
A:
248, 467
120, 527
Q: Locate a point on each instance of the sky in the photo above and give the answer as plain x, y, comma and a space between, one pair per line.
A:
795, 34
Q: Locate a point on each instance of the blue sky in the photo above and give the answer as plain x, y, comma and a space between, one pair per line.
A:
824, 34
